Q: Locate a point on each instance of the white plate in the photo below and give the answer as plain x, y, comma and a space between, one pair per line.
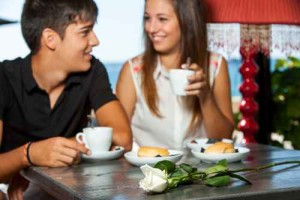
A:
104, 155
201, 142
215, 157
175, 155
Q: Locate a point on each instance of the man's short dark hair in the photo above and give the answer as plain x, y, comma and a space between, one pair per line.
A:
54, 14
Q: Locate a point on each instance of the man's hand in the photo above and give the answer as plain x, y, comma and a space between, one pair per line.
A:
16, 188
56, 152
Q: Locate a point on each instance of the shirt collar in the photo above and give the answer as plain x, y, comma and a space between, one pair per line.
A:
31, 84
28, 78
74, 79
160, 70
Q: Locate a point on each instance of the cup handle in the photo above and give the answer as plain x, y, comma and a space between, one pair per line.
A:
80, 137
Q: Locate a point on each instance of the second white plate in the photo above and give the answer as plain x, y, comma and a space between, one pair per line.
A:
215, 157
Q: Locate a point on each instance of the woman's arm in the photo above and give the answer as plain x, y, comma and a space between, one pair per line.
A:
125, 90
215, 102
217, 108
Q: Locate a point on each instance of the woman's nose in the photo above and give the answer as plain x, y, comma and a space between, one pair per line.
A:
152, 26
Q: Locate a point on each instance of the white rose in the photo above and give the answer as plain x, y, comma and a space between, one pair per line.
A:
155, 180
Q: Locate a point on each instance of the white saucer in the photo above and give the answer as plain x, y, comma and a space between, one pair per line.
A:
175, 155
201, 142
215, 157
104, 155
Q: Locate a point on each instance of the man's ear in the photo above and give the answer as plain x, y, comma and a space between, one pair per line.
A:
50, 38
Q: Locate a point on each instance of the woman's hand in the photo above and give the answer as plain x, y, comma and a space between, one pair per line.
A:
198, 83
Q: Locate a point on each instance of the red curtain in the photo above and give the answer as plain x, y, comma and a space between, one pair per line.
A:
254, 11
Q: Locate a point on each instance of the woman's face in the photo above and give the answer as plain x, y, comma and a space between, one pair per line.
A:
161, 25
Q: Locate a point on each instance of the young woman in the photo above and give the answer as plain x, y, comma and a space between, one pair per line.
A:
174, 31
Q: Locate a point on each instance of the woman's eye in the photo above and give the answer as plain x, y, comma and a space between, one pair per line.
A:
146, 18
163, 19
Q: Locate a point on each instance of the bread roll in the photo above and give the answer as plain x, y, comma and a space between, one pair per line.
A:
220, 147
147, 151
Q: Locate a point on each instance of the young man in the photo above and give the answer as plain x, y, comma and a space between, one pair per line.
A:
45, 98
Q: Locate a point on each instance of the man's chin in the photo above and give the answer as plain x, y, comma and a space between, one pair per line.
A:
82, 68
87, 68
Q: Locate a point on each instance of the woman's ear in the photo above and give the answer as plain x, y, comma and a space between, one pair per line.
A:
50, 38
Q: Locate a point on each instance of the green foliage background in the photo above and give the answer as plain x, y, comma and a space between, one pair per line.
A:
286, 99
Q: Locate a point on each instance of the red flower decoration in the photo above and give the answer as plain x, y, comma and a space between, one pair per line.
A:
136, 69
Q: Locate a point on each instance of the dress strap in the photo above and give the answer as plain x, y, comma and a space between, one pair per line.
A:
135, 69
215, 61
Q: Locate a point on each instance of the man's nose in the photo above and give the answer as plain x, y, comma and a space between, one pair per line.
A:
94, 41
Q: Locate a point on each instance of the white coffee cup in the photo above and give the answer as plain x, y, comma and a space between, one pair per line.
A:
96, 139
179, 80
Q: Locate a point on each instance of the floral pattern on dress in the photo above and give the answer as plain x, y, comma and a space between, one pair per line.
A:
137, 69
137, 64
214, 61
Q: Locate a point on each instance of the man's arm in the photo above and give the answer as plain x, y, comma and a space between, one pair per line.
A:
52, 152
113, 115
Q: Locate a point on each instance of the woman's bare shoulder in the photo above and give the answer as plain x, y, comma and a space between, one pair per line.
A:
216, 59
135, 63
215, 55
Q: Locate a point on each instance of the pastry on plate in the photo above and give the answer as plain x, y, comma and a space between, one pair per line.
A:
147, 151
220, 147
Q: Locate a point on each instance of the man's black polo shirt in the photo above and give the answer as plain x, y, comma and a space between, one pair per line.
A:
25, 108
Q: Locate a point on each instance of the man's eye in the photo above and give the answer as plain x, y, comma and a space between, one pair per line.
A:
85, 33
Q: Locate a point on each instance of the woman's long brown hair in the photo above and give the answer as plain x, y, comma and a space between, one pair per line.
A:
191, 15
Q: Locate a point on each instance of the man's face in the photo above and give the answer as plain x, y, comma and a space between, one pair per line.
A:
74, 50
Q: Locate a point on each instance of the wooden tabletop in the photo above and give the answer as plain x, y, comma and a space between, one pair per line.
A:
118, 179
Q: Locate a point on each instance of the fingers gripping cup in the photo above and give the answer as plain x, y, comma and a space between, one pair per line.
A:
179, 80
96, 139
